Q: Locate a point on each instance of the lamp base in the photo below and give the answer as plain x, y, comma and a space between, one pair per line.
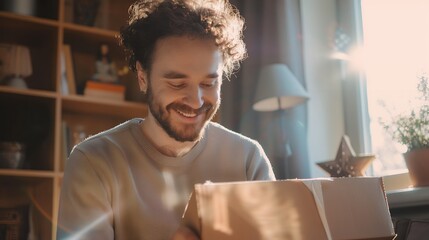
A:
17, 82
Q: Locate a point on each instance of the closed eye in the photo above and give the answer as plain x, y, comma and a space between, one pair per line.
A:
212, 80
210, 83
177, 85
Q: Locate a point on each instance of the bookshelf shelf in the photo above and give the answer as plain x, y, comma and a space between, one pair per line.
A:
120, 109
27, 173
28, 92
90, 30
6, 16
36, 116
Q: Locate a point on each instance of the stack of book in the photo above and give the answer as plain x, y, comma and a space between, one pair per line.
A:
104, 90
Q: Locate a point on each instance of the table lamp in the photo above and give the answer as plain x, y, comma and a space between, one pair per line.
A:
15, 64
277, 90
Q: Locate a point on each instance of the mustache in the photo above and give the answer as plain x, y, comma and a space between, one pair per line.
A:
187, 109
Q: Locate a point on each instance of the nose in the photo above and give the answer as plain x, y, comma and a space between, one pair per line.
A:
194, 97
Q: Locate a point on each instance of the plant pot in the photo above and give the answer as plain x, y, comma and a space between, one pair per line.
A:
417, 161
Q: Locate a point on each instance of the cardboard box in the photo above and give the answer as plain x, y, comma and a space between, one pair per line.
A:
339, 208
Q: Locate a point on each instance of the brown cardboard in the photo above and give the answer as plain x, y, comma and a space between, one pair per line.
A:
354, 208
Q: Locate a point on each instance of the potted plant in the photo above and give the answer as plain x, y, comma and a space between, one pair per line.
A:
411, 129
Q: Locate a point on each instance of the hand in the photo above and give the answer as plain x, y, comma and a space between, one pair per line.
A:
184, 233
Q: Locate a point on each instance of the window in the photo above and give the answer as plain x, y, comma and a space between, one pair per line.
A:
396, 43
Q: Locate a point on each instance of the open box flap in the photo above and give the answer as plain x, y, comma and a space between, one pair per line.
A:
288, 210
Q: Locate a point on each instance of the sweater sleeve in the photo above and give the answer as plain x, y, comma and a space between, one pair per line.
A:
259, 167
84, 211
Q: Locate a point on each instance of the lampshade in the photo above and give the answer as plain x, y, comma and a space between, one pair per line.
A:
278, 88
16, 62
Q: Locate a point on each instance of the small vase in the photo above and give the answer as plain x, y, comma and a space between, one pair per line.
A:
417, 161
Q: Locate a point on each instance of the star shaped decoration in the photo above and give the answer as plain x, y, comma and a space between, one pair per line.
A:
346, 163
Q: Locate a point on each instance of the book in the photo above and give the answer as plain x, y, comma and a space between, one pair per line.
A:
104, 94
64, 83
111, 87
103, 90
69, 68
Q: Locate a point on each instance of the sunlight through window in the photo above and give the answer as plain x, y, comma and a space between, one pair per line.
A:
396, 38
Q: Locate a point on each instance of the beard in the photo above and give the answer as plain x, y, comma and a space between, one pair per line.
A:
181, 132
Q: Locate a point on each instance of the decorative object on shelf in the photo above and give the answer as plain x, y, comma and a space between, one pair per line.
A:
12, 155
15, 63
277, 90
412, 130
105, 68
346, 163
85, 11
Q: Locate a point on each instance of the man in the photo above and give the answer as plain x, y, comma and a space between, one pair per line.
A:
133, 181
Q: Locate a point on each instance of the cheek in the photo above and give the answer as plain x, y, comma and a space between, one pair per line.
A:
163, 96
212, 96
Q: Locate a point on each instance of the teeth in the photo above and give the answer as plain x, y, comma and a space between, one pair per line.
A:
189, 115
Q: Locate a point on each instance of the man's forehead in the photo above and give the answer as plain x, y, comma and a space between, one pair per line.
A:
183, 54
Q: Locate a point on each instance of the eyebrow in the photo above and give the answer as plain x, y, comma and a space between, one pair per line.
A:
177, 75
174, 75
213, 75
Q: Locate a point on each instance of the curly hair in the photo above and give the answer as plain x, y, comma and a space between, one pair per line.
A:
151, 20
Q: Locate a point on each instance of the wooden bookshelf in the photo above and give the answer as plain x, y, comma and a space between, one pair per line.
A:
35, 116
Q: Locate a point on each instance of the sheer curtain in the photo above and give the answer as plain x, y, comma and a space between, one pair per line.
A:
272, 35
356, 117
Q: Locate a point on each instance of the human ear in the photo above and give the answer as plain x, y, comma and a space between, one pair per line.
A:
142, 77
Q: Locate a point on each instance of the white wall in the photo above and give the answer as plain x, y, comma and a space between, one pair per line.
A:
325, 109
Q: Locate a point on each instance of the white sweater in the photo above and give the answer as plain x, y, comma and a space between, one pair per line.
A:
118, 186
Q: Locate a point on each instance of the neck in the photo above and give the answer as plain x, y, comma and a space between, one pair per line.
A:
162, 141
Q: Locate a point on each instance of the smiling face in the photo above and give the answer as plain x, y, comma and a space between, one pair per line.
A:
183, 86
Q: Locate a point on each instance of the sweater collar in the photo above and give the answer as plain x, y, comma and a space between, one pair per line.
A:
160, 158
